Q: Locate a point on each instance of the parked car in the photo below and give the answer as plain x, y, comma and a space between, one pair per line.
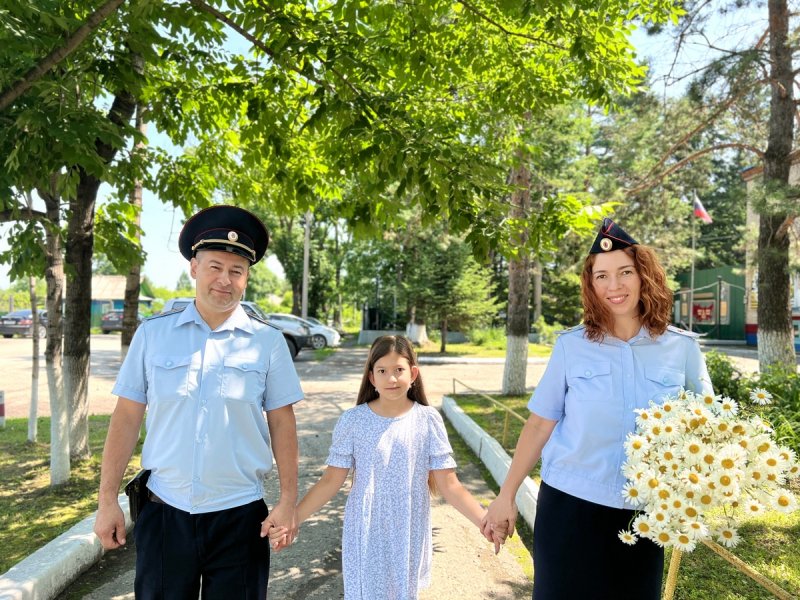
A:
321, 335
296, 337
112, 321
20, 322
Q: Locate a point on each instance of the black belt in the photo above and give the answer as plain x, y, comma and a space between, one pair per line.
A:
155, 498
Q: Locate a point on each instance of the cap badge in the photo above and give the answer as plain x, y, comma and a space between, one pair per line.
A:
233, 236
606, 244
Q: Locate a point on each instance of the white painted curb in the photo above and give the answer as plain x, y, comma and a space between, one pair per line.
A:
492, 455
46, 572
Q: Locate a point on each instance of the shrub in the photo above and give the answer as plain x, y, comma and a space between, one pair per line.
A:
547, 333
784, 385
492, 337
726, 378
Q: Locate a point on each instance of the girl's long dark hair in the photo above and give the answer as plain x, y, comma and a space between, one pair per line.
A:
386, 344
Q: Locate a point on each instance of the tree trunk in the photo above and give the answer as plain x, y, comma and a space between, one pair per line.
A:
79, 249
775, 335
519, 282
34, 406
133, 280
443, 344
537, 289
78, 313
54, 277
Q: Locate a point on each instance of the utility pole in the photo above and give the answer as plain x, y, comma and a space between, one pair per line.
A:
306, 245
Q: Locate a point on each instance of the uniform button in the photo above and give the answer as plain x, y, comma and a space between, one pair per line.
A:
665, 380
169, 363
588, 373
244, 367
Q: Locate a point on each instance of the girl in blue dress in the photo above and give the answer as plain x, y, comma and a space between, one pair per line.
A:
398, 448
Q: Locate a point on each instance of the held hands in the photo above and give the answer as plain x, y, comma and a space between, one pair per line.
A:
281, 526
499, 520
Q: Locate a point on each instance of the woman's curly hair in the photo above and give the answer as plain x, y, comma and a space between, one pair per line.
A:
655, 297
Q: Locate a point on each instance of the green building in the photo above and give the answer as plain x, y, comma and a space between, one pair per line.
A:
717, 305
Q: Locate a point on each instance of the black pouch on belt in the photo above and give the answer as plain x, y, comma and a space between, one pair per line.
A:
137, 492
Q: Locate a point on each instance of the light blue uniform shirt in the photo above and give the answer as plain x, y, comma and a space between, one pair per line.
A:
207, 441
592, 388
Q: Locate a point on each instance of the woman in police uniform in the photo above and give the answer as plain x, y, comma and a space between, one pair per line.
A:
621, 357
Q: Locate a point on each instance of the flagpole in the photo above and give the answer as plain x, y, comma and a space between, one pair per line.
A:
691, 278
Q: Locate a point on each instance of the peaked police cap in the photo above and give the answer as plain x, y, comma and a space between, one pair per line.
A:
611, 237
226, 228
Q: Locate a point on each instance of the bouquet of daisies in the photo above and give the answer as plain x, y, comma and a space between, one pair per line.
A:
694, 453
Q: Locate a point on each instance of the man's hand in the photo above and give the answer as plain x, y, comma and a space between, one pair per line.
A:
109, 526
284, 518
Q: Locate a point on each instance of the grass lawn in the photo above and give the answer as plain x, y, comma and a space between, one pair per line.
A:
31, 512
770, 544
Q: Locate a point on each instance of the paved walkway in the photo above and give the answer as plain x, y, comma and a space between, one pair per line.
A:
464, 564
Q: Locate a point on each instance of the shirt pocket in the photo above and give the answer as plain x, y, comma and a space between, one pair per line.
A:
243, 380
589, 380
170, 378
663, 381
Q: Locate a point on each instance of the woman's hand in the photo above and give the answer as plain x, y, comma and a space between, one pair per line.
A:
501, 517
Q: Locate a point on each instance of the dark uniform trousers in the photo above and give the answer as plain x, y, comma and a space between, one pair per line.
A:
578, 556
176, 550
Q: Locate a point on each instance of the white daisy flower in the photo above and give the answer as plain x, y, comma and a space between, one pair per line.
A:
696, 529
633, 493
728, 536
642, 527
753, 507
643, 417
664, 538
636, 445
761, 397
785, 502
627, 537
728, 407
684, 542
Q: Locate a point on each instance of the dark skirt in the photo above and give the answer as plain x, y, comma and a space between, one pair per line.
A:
577, 554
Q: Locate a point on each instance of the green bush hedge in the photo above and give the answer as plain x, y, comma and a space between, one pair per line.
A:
784, 385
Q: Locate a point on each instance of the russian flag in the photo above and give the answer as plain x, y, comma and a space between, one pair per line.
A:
700, 211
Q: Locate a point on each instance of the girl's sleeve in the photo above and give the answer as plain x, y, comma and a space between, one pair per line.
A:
341, 452
440, 454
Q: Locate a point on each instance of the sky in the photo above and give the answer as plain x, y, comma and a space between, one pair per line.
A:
162, 224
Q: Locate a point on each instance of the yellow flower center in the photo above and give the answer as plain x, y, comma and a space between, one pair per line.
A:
725, 480
728, 463
783, 501
653, 483
663, 537
772, 462
668, 455
693, 478
708, 459
663, 494
694, 448
756, 475
705, 499
722, 427
637, 444
633, 492
691, 511
763, 447
644, 527
683, 538
727, 534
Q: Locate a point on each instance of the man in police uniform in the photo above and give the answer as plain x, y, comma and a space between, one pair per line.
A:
206, 375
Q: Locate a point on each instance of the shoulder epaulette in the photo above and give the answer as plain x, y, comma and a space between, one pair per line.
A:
180, 309
571, 329
685, 332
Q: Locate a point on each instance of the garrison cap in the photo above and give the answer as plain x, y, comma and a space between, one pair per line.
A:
226, 228
611, 237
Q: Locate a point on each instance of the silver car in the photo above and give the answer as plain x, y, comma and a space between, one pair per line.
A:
321, 335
